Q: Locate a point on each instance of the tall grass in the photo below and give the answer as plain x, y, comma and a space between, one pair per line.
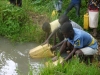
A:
16, 24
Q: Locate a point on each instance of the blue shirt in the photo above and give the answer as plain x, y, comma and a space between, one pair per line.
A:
76, 1
82, 39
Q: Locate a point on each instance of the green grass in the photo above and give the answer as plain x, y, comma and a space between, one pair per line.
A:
15, 21
17, 25
71, 68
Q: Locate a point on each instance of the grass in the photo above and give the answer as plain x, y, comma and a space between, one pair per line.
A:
71, 68
17, 25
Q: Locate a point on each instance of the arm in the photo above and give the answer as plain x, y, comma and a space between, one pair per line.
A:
47, 40
54, 47
47, 34
63, 47
70, 55
54, 39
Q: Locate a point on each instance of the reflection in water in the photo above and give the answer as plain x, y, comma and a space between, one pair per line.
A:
8, 66
14, 58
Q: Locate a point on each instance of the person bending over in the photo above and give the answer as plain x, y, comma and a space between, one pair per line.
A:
54, 27
84, 44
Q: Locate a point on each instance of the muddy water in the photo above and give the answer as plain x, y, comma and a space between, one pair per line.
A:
14, 58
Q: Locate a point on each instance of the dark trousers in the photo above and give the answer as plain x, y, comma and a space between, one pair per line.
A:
16, 2
76, 6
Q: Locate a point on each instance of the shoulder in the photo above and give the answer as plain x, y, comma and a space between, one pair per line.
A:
77, 33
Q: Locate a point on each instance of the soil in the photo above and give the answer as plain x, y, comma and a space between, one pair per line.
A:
38, 18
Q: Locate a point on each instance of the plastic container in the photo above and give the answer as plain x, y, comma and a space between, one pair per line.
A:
59, 61
41, 51
93, 18
54, 12
86, 21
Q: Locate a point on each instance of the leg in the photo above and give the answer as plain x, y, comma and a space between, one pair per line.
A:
59, 12
77, 7
80, 54
54, 39
87, 53
94, 32
19, 3
13, 2
69, 8
88, 59
98, 58
85, 58
60, 35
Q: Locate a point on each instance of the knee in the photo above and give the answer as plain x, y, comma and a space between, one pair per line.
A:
79, 52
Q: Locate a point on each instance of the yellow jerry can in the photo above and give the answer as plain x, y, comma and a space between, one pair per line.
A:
54, 12
54, 63
86, 21
41, 51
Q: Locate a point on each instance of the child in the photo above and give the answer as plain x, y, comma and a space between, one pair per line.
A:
76, 4
83, 43
54, 27
93, 7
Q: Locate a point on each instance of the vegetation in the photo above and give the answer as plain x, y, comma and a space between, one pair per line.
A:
16, 24
71, 68
24, 25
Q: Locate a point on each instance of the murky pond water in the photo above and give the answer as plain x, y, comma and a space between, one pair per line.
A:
15, 60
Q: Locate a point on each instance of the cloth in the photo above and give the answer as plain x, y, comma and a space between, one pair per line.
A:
89, 51
58, 5
76, 4
82, 39
76, 1
54, 25
75, 25
93, 4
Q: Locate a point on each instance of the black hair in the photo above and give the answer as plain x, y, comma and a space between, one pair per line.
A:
66, 27
46, 27
63, 19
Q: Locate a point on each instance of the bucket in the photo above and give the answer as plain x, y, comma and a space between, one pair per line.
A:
86, 21
54, 63
93, 18
54, 13
41, 51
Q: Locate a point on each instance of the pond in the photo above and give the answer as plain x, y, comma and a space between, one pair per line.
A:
15, 60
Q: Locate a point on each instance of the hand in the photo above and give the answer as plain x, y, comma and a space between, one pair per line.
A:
53, 48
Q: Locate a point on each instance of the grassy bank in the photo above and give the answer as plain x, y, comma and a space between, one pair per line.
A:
16, 23
24, 24
71, 68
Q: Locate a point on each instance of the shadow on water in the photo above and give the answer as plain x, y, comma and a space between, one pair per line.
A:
14, 58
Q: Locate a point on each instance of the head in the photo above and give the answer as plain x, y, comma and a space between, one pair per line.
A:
63, 19
46, 27
67, 30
